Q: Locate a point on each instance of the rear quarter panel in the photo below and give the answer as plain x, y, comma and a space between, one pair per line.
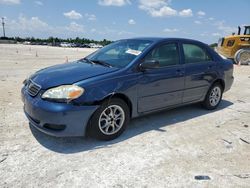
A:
227, 69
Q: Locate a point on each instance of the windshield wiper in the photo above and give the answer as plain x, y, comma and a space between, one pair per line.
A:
87, 60
104, 63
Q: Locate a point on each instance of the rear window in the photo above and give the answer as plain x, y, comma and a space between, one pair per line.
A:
195, 54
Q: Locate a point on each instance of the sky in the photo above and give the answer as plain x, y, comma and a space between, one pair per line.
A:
204, 20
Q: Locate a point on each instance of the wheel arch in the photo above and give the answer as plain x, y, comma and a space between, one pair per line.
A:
119, 96
219, 81
109, 97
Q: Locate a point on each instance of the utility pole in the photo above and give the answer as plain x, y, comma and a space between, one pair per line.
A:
3, 27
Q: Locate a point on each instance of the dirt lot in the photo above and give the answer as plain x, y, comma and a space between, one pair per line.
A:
165, 149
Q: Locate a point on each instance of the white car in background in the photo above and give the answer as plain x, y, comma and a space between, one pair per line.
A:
93, 45
65, 44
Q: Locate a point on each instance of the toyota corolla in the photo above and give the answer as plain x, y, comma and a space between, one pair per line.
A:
99, 94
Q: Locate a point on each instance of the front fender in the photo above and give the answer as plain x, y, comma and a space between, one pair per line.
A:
97, 90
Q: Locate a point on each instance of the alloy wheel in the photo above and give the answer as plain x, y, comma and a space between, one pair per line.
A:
111, 119
215, 96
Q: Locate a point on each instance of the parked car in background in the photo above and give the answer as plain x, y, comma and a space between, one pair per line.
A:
26, 43
73, 45
65, 44
85, 46
99, 94
93, 45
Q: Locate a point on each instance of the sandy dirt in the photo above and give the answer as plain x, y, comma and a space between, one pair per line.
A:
166, 149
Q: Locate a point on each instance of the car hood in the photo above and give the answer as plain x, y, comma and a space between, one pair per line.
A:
68, 73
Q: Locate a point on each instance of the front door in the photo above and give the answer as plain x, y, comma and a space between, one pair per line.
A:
163, 86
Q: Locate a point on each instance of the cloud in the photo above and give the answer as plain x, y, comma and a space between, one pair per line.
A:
115, 33
39, 3
224, 28
34, 26
125, 33
93, 30
216, 34
117, 3
161, 8
27, 24
186, 13
203, 34
10, 2
201, 13
211, 18
132, 22
72, 15
167, 30
164, 11
153, 4
157, 8
74, 27
27, 27
197, 22
90, 17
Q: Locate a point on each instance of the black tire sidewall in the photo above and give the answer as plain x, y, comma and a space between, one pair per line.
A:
94, 129
207, 103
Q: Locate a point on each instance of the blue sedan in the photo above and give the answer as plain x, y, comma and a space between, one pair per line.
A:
99, 94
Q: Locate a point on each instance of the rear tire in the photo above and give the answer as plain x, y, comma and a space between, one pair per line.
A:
110, 120
213, 97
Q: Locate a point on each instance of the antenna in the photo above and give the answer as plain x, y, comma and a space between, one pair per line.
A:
3, 27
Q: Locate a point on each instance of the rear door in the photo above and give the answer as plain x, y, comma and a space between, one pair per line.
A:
200, 71
161, 87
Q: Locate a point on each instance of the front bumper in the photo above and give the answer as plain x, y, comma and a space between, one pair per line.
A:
43, 114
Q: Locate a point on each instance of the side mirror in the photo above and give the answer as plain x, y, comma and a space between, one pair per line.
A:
149, 64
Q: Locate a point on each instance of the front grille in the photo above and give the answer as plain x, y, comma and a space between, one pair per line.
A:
33, 88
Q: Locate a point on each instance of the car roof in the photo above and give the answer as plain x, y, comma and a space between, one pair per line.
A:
159, 39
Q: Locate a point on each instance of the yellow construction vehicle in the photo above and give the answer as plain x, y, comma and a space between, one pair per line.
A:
236, 47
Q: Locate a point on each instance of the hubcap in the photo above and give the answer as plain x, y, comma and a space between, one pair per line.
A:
111, 119
215, 96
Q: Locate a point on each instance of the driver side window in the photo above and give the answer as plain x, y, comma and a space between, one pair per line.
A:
166, 55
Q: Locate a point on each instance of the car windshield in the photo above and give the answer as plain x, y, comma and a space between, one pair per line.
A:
247, 32
119, 54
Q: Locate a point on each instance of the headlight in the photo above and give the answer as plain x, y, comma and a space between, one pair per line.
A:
64, 92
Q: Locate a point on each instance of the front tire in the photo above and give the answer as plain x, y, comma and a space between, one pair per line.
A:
242, 57
213, 97
110, 120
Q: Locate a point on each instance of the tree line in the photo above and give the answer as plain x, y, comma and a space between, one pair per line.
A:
55, 40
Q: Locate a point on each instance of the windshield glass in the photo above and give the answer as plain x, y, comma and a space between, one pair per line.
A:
247, 32
120, 53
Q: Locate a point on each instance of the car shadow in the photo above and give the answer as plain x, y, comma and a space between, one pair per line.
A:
137, 126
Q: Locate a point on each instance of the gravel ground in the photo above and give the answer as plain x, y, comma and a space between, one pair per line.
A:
166, 149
